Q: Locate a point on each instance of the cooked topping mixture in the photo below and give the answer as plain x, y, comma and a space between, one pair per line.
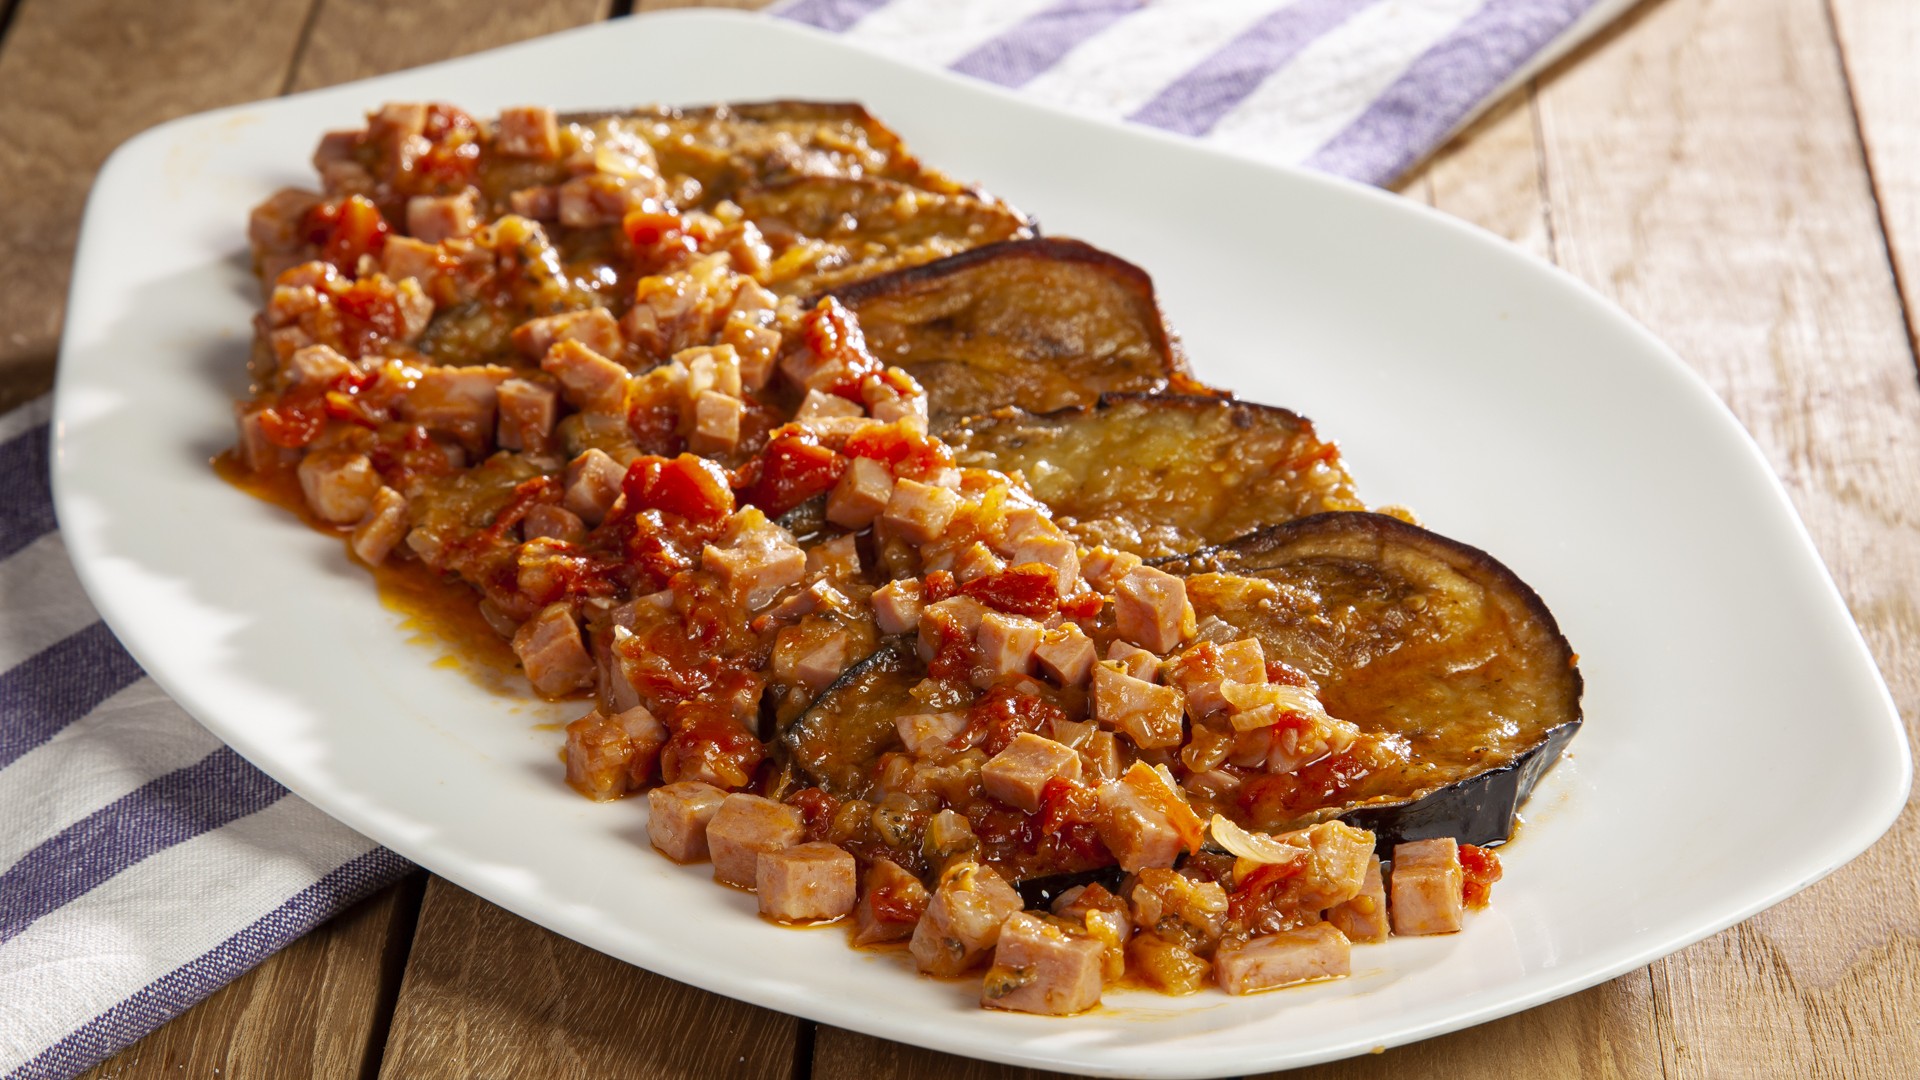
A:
909, 577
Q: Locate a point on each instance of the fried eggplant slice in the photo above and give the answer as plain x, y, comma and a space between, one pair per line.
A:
1163, 474
727, 148
1036, 324
836, 741
830, 231
1459, 679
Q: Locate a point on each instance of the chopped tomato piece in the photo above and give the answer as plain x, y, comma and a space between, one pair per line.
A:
1481, 868
1030, 589
691, 487
792, 469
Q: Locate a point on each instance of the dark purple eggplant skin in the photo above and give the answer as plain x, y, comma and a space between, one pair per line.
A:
1482, 807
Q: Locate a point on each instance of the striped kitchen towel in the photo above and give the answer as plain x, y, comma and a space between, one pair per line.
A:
1359, 88
143, 864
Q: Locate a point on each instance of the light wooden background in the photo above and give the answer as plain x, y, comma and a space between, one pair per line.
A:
1743, 176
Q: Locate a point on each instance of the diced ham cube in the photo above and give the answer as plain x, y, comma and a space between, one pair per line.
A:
1104, 567
1200, 671
861, 494
1066, 654
527, 131
897, 604
837, 559
1145, 712
595, 328
599, 199
610, 756
527, 410
1137, 661
824, 662
713, 368
976, 560
1106, 919
963, 919
678, 815
590, 381
541, 202
746, 827
551, 650
1363, 919
316, 364
759, 560
1150, 609
279, 224
1429, 887
1038, 967
806, 883
339, 485
257, 452
756, 345
957, 618
820, 406
927, 734
434, 218
593, 483
919, 512
891, 903
1136, 828
1004, 646
383, 527
550, 522
414, 307
716, 422
405, 257
458, 400
1312, 952
1017, 775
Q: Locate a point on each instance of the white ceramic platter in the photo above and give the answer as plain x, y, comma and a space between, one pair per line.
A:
1739, 746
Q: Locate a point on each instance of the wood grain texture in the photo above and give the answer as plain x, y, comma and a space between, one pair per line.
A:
1703, 172
1879, 45
78, 77
489, 994
316, 1009
357, 39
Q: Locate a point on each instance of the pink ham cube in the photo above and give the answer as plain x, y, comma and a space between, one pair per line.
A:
1429, 887
1364, 917
746, 827
963, 919
678, 815
891, 903
1310, 953
1038, 967
806, 883
1018, 775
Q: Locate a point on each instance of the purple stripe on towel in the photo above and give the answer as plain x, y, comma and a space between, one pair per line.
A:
1193, 103
1440, 88
1040, 40
26, 499
220, 788
58, 685
830, 15
174, 992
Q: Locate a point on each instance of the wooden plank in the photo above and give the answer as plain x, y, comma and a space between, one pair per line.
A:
845, 1055
316, 1009
79, 77
1879, 40
1703, 172
488, 993
356, 39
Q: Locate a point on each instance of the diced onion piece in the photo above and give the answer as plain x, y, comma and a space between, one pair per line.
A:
1258, 705
1157, 785
1263, 848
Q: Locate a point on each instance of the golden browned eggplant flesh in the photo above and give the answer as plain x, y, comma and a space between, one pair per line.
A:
1037, 324
915, 583
1162, 474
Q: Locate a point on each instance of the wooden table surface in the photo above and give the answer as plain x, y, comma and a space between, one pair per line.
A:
1743, 176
